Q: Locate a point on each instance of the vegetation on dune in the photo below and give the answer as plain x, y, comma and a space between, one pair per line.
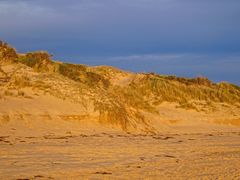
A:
81, 74
152, 87
118, 104
191, 81
7, 53
71, 71
182, 90
112, 111
132, 98
39, 61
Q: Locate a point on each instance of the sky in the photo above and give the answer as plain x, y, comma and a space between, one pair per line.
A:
178, 37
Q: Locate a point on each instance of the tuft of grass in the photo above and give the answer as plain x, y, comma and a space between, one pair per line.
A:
39, 61
7, 53
112, 113
79, 73
71, 71
132, 98
191, 81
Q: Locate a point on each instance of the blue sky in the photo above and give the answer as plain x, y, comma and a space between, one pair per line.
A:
182, 37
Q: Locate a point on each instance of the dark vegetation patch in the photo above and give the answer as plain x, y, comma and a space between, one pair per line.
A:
40, 61
7, 53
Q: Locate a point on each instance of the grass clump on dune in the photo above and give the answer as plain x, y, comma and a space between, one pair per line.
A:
39, 61
182, 90
7, 53
112, 113
71, 71
81, 74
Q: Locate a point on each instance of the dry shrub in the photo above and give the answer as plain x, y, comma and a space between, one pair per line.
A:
79, 73
39, 61
7, 53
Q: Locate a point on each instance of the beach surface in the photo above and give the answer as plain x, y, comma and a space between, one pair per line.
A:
115, 155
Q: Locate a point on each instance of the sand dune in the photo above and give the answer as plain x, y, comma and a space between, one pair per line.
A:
67, 121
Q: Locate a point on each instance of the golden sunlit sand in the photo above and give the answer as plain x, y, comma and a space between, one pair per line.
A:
113, 155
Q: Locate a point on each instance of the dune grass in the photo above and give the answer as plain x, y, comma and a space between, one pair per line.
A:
7, 53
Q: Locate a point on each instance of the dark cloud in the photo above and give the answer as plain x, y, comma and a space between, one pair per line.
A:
104, 28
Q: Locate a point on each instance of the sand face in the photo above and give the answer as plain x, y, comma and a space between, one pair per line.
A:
120, 156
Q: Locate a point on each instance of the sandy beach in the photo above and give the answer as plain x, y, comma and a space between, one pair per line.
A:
114, 155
